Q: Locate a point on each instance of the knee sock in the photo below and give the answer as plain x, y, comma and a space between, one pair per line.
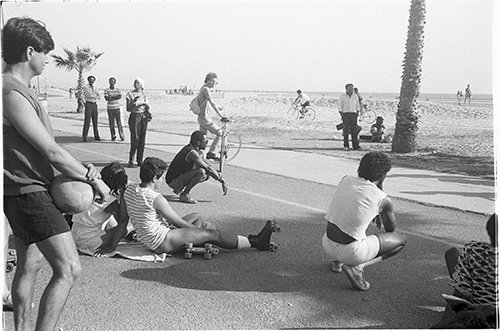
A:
243, 242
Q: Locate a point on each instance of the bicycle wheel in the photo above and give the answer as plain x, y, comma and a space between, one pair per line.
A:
310, 115
293, 113
369, 116
230, 147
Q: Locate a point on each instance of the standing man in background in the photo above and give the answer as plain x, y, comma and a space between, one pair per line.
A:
113, 97
467, 94
349, 110
90, 95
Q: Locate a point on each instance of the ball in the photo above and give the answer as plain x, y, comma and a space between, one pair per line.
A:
71, 196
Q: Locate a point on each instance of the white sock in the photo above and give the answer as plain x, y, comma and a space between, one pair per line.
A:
367, 263
243, 242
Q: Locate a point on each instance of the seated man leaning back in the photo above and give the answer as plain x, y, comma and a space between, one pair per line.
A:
189, 168
162, 230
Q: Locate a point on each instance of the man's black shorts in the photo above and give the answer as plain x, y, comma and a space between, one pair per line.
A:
34, 217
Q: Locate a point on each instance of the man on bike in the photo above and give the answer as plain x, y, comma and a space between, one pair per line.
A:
189, 168
304, 101
207, 104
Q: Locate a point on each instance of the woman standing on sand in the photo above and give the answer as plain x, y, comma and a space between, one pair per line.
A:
138, 106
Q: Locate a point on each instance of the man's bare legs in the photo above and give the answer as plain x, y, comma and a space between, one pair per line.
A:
60, 251
391, 243
177, 238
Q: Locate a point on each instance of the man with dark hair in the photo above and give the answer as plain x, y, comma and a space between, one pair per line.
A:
207, 105
189, 168
349, 107
30, 156
357, 202
113, 96
303, 100
91, 95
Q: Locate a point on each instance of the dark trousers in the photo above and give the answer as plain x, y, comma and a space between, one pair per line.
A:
90, 113
114, 116
138, 126
350, 121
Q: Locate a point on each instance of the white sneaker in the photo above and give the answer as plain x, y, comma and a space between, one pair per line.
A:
337, 266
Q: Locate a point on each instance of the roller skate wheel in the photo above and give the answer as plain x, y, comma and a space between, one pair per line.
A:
188, 255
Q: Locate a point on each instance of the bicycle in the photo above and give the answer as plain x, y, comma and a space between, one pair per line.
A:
229, 148
294, 112
367, 115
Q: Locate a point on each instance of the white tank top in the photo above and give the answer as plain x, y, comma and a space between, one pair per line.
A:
354, 205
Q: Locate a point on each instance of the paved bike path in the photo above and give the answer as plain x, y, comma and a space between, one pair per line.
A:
465, 193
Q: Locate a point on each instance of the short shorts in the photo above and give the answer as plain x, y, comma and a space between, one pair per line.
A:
355, 253
34, 217
178, 183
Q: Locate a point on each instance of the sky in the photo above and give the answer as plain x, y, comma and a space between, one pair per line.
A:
314, 45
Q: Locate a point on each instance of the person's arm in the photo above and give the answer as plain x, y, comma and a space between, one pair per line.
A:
107, 97
161, 205
387, 215
341, 102
21, 115
119, 211
209, 99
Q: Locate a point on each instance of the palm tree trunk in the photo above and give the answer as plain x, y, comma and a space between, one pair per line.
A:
80, 105
407, 115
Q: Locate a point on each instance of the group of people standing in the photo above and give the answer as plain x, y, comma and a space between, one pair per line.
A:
467, 95
137, 104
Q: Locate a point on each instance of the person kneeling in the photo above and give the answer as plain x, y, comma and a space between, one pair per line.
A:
188, 168
151, 215
356, 202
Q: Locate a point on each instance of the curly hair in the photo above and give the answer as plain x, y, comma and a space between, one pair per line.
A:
210, 76
152, 167
115, 176
21, 32
374, 166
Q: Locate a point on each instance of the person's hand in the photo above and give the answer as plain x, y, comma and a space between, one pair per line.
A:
103, 249
92, 172
224, 119
377, 221
224, 187
101, 189
209, 226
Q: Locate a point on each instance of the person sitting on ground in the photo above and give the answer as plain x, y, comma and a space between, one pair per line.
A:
93, 227
378, 130
189, 168
151, 215
96, 230
356, 202
302, 100
473, 272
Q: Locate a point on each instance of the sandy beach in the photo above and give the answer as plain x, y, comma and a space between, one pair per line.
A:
451, 138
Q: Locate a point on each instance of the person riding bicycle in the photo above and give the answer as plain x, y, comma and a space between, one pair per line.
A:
304, 102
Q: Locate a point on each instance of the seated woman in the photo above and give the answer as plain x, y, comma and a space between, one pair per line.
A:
151, 216
473, 272
356, 202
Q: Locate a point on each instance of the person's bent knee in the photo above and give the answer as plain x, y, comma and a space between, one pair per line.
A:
69, 271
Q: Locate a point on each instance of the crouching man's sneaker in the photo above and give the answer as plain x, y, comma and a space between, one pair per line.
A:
355, 276
187, 199
337, 266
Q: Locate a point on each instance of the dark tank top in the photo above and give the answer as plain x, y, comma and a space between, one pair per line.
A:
179, 164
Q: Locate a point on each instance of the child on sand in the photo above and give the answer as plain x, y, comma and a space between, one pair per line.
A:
151, 215
356, 202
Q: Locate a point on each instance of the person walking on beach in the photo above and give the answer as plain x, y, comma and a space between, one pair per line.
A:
207, 105
302, 100
459, 97
90, 95
137, 105
356, 202
349, 110
113, 96
30, 156
188, 168
467, 94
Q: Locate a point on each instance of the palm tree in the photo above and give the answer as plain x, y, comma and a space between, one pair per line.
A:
84, 59
407, 115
